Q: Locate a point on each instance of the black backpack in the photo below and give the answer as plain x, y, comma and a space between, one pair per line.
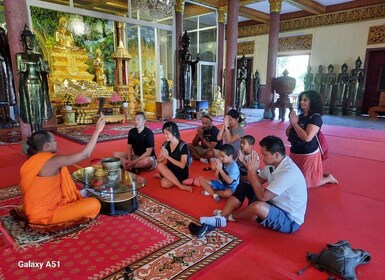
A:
189, 156
339, 259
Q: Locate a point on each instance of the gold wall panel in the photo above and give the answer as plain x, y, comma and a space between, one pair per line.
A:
295, 43
366, 13
245, 48
376, 35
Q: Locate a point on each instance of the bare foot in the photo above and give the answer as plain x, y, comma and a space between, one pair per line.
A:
157, 176
192, 181
331, 179
186, 188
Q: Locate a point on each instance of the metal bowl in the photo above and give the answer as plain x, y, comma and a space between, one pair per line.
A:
111, 163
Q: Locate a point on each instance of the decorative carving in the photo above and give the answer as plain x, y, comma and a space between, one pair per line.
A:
275, 6
222, 15
295, 43
179, 6
366, 13
245, 48
376, 35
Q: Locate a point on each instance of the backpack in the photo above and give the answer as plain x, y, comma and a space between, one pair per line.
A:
189, 156
339, 259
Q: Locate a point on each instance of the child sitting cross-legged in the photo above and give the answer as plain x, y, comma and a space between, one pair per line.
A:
245, 151
227, 171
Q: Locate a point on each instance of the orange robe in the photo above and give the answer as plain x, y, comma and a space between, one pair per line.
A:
55, 199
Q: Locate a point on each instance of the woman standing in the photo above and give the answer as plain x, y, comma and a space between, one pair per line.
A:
175, 152
302, 133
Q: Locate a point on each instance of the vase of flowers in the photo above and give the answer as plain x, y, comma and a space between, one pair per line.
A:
115, 99
81, 100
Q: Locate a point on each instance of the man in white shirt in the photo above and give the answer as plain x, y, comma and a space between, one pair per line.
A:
281, 206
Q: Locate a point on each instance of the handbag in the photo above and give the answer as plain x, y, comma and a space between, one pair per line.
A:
323, 145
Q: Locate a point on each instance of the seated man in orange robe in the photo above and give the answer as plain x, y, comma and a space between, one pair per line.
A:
49, 194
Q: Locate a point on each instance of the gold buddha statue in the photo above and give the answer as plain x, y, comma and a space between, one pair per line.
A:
98, 62
68, 61
217, 107
64, 37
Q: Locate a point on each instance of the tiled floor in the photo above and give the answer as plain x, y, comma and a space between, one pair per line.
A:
349, 121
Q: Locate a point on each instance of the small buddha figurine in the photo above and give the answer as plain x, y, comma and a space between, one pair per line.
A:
98, 62
218, 105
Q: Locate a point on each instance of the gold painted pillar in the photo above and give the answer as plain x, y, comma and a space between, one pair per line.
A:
222, 19
275, 10
231, 53
179, 10
16, 17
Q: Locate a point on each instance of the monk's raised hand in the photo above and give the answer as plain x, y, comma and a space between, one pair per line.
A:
100, 124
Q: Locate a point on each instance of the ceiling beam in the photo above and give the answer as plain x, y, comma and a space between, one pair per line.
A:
254, 15
310, 6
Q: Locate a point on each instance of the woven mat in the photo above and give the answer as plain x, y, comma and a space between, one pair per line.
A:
153, 243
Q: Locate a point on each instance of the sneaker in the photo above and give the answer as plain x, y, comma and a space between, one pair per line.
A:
217, 212
217, 221
205, 161
217, 197
205, 193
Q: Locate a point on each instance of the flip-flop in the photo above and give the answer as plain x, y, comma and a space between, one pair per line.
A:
207, 169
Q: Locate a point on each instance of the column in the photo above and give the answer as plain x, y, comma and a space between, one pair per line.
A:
231, 53
275, 10
179, 10
16, 17
222, 18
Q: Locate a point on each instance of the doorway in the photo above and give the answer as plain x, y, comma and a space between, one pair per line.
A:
374, 61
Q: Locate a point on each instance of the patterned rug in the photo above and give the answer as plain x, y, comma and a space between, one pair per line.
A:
82, 133
152, 243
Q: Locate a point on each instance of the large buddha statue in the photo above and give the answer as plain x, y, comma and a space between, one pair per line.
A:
64, 37
69, 62
98, 62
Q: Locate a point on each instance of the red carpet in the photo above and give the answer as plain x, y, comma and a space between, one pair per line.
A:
352, 210
154, 242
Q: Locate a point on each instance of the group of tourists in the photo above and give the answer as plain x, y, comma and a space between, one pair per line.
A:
276, 191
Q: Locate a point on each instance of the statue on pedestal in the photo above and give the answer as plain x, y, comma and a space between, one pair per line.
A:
256, 90
35, 105
355, 87
319, 81
98, 62
64, 37
241, 85
217, 107
8, 102
342, 86
330, 79
186, 77
308, 79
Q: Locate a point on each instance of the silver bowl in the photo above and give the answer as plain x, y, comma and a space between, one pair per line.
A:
111, 163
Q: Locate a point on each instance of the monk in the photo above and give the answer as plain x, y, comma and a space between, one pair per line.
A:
49, 193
